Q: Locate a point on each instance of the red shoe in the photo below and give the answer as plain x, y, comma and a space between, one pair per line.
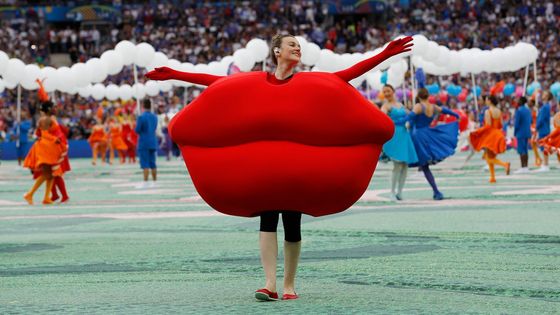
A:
265, 295
289, 296
64, 199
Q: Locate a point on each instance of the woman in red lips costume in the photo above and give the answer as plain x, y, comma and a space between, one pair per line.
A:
311, 134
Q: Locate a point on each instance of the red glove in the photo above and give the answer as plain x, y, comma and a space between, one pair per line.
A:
394, 48
166, 73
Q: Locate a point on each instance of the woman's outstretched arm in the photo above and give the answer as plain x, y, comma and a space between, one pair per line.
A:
166, 73
394, 48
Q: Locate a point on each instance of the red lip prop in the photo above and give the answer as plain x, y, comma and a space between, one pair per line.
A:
309, 145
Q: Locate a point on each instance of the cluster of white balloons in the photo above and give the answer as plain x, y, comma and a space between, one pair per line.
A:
439, 60
85, 78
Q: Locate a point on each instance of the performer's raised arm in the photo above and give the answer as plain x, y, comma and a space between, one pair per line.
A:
394, 48
166, 73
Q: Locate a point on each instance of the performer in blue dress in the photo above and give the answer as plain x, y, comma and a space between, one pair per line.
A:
543, 126
432, 144
400, 148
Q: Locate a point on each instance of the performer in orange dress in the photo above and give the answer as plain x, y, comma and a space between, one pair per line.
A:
116, 141
491, 138
98, 142
551, 143
534, 132
130, 137
45, 155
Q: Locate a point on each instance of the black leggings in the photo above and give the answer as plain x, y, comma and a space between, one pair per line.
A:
291, 221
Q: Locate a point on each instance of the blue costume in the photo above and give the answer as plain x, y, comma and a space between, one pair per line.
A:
522, 128
23, 137
146, 125
435, 144
543, 121
400, 148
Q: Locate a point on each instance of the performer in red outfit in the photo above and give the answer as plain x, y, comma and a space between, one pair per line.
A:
551, 143
491, 137
130, 137
258, 142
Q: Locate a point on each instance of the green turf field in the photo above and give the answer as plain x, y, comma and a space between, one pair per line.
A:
118, 249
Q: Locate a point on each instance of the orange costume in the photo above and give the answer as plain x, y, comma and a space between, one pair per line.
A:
551, 143
98, 142
535, 137
491, 138
116, 143
46, 155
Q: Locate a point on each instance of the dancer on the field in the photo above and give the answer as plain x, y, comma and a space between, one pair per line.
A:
286, 54
130, 137
491, 137
432, 144
45, 154
22, 140
400, 148
551, 143
522, 132
534, 133
543, 127
116, 141
98, 142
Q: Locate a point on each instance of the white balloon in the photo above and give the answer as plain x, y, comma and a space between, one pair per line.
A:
443, 56
66, 79
160, 60
138, 91
432, 52
50, 79
244, 59
112, 92
164, 86
82, 73
144, 54
420, 45
125, 92
97, 70
227, 60
85, 91
152, 88
113, 62
259, 48
32, 73
3, 62
2, 86
312, 54
174, 64
73, 90
374, 79
326, 60
127, 50
394, 78
10, 85
14, 72
214, 68
98, 91
454, 64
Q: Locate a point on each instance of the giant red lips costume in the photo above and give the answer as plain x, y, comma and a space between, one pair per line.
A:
310, 144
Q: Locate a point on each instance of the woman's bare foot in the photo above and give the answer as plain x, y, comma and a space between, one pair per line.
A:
28, 197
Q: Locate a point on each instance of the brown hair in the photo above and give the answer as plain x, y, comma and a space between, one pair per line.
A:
276, 43
492, 99
423, 94
389, 86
